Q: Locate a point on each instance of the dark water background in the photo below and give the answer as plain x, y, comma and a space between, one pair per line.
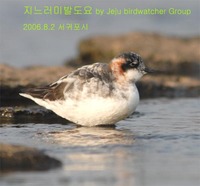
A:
157, 146
23, 48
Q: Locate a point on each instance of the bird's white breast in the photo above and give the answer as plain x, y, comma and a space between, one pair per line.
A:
97, 110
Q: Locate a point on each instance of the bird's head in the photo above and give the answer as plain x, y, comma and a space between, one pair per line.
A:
129, 66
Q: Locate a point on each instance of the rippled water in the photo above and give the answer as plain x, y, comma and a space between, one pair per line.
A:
158, 145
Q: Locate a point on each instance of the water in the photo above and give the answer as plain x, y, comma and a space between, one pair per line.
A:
22, 48
157, 146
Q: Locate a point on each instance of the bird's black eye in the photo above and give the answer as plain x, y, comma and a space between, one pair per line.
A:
130, 65
134, 64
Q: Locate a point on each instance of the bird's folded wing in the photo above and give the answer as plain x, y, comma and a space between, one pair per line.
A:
73, 82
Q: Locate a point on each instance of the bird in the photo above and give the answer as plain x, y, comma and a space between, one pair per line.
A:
94, 95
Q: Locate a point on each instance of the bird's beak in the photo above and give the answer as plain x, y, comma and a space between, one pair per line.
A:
149, 70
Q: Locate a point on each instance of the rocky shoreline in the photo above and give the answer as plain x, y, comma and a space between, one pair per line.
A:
177, 58
21, 158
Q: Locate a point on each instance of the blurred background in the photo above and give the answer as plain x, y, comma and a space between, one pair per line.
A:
157, 145
21, 48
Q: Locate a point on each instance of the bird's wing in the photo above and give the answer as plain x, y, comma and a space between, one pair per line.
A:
73, 83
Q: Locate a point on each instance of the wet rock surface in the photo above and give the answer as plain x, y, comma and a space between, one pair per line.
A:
31, 114
21, 158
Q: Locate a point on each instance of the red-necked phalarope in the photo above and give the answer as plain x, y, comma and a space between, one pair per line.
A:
97, 94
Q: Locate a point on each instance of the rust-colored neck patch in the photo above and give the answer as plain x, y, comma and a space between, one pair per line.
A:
116, 67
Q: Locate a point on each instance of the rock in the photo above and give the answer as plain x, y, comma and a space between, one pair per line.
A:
170, 86
31, 76
170, 54
20, 158
32, 114
14, 80
177, 58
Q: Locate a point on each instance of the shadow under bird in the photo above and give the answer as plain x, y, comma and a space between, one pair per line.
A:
97, 94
